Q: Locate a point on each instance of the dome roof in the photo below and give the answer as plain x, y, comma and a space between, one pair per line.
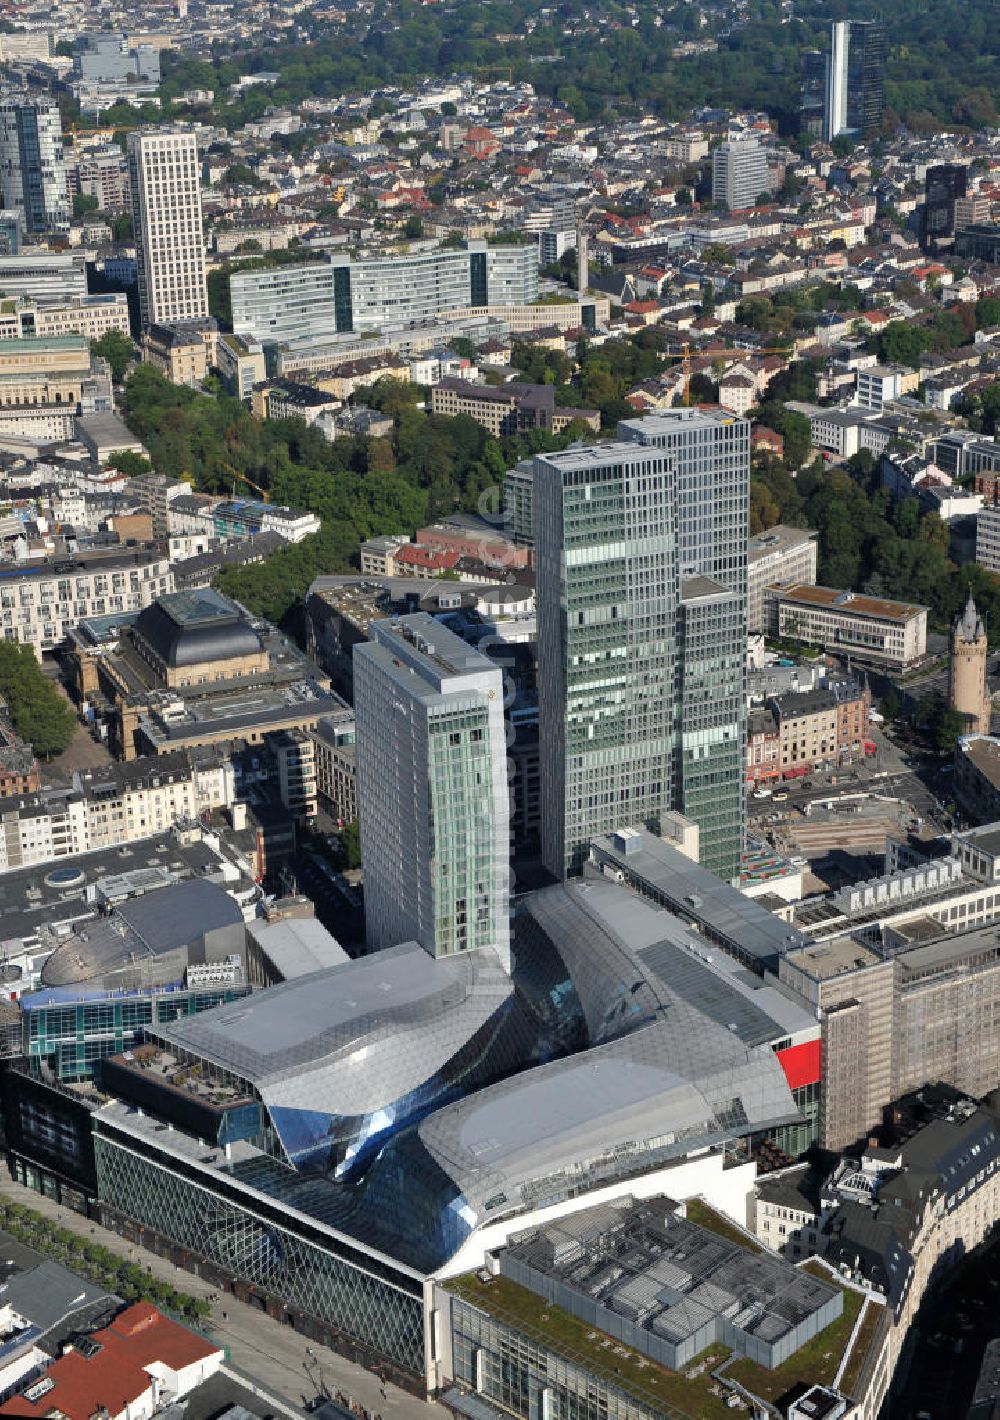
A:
190, 628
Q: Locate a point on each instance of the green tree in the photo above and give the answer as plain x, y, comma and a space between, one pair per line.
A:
350, 839
118, 350
39, 712
129, 463
83, 203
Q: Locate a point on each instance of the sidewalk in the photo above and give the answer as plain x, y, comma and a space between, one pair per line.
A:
275, 1356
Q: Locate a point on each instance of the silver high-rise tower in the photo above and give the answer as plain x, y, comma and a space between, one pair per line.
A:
641, 556
432, 790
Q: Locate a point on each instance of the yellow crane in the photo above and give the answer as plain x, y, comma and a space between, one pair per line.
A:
685, 358
242, 478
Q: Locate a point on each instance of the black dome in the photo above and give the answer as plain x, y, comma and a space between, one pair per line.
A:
189, 628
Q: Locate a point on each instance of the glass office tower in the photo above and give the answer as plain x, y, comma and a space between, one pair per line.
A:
432, 789
641, 566
608, 596
710, 452
32, 165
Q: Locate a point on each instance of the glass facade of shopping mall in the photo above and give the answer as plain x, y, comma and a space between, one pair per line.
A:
73, 1035
307, 1266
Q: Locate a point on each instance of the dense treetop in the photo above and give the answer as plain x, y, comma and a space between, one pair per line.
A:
943, 65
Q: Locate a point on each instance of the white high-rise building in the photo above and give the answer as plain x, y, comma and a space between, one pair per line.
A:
432, 790
836, 80
32, 165
166, 210
739, 173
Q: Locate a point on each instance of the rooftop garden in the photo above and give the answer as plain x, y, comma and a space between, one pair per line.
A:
816, 1362
702, 1213
688, 1393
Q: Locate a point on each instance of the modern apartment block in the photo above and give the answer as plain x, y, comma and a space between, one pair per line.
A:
241, 364
855, 79
781, 554
41, 601
739, 174
432, 789
166, 212
103, 173
340, 293
32, 166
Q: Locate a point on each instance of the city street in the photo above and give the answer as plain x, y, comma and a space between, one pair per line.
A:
275, 1356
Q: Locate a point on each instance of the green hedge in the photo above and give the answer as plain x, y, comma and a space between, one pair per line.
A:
96, 1263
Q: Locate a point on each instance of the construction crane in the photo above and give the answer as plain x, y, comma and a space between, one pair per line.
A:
685, 358
242, 478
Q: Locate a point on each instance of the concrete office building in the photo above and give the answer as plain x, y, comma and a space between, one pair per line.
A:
988, 539
739, 174
887, 633
781, 554
165, 183
432, 790
44, 276
855, 79
32, 167
343, 294
878, 386
641, 587
89, 316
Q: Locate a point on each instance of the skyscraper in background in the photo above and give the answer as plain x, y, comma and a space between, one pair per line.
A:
813, 98
166, 212
944, 185
32, 166
855, 79
641, 556
432, 789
